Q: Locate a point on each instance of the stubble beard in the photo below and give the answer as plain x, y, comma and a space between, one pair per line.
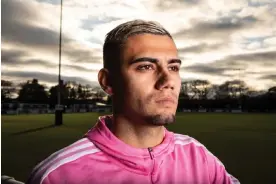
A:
160, 120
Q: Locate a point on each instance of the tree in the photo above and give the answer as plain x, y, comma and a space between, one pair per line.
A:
72, 93
33, 92
184, 90
272, 90
7, 89
64, 93
80, 92
200, 88
88, 91
98, 93
232, 89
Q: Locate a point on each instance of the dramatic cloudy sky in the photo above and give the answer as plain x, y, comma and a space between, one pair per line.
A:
218, 40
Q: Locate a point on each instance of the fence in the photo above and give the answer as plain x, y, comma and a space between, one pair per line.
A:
21, 108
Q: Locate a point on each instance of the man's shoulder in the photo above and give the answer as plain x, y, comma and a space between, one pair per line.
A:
186, 140
190, 148
63, 157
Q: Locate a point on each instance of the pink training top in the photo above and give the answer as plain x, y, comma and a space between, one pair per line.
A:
101, 158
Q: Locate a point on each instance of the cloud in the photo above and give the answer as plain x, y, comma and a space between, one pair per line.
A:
29, 35
45, 77
271, 41
92, 21
172, 4
54, 2
18, 27
75, 53
11, 56
240, 65
202, 47
261, 2
17, 58
12, 10
218, 28
32, 62
205, 69
261, 58
271, 77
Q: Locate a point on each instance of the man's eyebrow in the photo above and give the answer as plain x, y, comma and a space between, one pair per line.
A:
153, 60
144, 59
175, 61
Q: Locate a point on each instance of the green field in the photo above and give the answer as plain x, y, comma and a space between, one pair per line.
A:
245, 143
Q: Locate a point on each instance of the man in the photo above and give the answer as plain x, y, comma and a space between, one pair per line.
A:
141, 73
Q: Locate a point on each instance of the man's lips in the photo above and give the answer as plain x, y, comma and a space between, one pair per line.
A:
166, 100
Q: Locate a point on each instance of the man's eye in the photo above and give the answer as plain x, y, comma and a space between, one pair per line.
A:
145, 67
174, 68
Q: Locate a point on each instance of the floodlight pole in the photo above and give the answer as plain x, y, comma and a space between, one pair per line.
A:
240, 90
59, 107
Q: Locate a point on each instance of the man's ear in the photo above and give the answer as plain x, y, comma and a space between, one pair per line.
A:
105, 81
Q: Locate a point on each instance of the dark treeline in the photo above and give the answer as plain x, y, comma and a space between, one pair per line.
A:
194, 95
235, 94
35, 93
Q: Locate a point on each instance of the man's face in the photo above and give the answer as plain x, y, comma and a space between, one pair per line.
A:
150, 78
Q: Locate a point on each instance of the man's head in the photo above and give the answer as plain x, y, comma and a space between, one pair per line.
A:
141, 72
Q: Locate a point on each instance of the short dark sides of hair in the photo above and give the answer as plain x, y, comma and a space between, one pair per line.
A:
116, 37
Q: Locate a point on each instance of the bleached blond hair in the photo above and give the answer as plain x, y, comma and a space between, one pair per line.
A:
115, 39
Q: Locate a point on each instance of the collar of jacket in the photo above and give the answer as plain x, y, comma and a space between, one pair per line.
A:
134, 159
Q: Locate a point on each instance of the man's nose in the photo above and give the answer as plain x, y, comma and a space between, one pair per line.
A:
165, 80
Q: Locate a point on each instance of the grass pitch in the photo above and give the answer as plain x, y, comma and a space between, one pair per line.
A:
245, 143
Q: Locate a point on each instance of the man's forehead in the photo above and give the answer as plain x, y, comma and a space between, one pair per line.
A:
155, 46
150, 40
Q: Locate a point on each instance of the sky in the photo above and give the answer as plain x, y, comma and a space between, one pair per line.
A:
218, 40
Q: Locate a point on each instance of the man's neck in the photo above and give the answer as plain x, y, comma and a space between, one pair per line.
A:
137, 134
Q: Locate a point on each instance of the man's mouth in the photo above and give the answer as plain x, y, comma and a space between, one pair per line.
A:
166, 101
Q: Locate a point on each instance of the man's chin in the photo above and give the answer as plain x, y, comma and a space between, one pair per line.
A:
160, 120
